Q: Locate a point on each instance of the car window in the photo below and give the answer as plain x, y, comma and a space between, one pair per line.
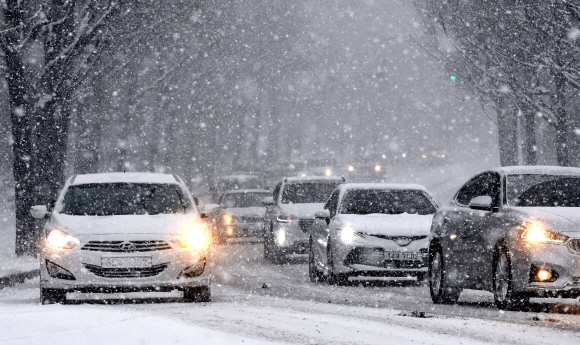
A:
107, 199
332, 203
248, 199
556, 192
486, 184
371, 201
307, 192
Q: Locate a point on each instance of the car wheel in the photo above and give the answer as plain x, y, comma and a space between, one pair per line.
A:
421, 278
51, 296
197, 294
440, 292
503, 294
313, 273
333, 278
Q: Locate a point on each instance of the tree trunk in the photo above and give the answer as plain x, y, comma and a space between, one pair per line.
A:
20, 112
507, 129
529, 131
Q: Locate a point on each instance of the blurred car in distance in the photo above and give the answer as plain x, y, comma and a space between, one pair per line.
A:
371, 230
513, 231
123, 232
231, 182
240, 213
290, 213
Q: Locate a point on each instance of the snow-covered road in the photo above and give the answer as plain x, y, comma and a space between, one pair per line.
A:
258, 303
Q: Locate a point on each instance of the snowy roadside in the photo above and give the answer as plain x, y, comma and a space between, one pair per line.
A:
13, 269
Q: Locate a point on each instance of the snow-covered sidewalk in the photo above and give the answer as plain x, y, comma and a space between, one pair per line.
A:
12, 267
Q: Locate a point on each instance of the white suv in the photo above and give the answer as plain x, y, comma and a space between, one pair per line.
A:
123, 232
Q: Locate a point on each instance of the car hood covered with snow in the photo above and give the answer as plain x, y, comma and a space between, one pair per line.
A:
301, 210
565, 220
122, 224
388, 224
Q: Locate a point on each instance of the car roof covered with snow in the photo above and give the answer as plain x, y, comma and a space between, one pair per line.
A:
306, 179
382, 186
237, 177
538, 169
119, 177
242, 191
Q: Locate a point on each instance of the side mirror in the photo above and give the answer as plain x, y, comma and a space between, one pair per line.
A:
50, 205
39, 211
483, 202
203, 215
324, 215
210, 207
268, 201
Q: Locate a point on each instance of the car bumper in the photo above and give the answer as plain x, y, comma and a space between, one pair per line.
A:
558, 259
163, 274
291, 237
239, 229
370, 256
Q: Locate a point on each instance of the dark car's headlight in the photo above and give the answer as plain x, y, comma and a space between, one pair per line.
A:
284, 218
536, 232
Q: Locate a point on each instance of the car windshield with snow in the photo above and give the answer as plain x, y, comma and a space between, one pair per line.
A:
124, 232
372, 230
514, 231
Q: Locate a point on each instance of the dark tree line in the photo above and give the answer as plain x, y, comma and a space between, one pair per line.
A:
53, 49
522, 58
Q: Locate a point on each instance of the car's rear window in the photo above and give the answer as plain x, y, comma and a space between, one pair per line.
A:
107, 199
386, 202
224, 185
307, 192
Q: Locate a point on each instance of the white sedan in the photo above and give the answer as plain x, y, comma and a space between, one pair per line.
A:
121, 232
372, 230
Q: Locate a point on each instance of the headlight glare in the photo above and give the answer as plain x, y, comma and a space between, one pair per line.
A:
347, 235
227, 218
59, 239
536, 232
195, 236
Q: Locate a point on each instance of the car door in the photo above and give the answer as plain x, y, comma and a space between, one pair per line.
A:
485, 231
459, 221
472, 242
320, 230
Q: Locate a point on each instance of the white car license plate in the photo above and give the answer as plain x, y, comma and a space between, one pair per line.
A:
126, 262
402, 256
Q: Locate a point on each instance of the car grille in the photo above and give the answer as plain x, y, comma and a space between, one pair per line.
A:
126, 272
126, 246
251, 219
305, 224
374, 257
402, 241
574, 246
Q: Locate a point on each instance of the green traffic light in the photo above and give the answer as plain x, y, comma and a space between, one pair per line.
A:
453, 77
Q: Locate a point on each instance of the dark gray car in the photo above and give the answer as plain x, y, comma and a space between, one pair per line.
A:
514, 231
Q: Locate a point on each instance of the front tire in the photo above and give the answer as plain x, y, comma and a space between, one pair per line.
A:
333, 278
503, 294
313, 273
52, 296
197, 294
440, 292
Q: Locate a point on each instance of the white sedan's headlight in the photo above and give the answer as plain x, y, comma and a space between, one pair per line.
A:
194, 236
59, 239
